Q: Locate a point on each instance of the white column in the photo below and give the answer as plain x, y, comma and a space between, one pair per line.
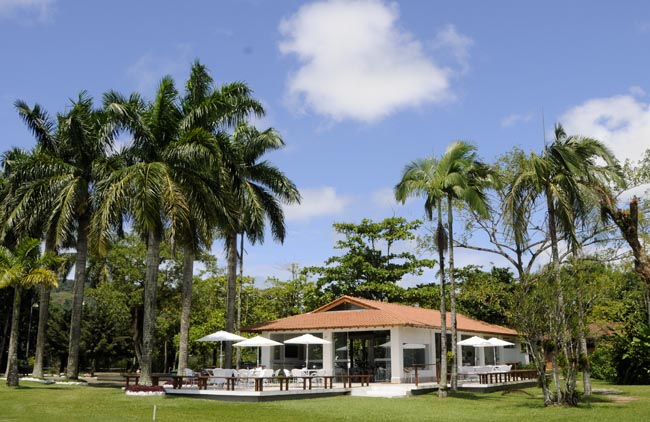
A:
396, 357
328, 352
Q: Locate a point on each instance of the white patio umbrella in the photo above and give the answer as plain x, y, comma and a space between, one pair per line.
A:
257, 341
497, 342
413, 346
474, 341
307, 339
221, 336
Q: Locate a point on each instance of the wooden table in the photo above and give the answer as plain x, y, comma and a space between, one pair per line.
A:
307, 381
501, 377
201, 381
363, 378
155, 378
258, 382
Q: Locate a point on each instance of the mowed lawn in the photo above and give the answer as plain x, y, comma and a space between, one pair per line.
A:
43, 403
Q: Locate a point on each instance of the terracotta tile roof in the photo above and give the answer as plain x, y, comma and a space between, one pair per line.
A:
375, 314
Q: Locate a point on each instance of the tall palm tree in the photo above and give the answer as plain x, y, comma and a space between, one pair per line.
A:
22, 268
259, 189
152, 190
16, 197
456, 176
56, 187
207, 112
564, 176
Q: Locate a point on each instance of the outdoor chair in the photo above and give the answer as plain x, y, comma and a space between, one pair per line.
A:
318, 377
191, 374
266, 374
281, 373
296, 373
245, 379
408, 372
219, 377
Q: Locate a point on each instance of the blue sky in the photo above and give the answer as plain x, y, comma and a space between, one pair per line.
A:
356, 88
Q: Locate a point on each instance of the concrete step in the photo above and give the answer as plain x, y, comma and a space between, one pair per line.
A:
383, 390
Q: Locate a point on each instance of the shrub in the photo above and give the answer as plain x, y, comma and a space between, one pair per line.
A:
137, 388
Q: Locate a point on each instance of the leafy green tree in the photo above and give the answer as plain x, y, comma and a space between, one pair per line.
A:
535, 301
374, 262
22, 268
457, 176
564, 177
123, 269
486, 296
521, 248
290, 297
105, 329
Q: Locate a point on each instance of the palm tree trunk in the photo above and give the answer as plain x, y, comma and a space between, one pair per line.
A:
647, 303
150, 292
186, 307
232, 292
559, 308
72, 371
240, 286
136, 333
3, 341
43, 316
452, 295
41, 336
12, 353
442, 388
583, 353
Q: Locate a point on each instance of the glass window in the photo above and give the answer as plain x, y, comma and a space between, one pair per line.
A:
415, 356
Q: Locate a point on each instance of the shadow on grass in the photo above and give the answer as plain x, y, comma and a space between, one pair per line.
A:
37, 386
105, 385
464, 395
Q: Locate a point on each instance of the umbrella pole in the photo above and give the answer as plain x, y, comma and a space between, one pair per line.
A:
221, 354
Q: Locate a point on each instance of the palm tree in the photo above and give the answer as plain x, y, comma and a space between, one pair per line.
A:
207, 111
564, 175
151, 190
456, 176
259, 189
55, 187
21, 268
14, 163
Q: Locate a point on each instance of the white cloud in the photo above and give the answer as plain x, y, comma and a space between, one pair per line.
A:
317, 202
513, 119
26, 10
637, 91
641, 191
356, 63
449, 40
621, 122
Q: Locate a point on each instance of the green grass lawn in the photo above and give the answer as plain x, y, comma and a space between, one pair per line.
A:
44, 403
